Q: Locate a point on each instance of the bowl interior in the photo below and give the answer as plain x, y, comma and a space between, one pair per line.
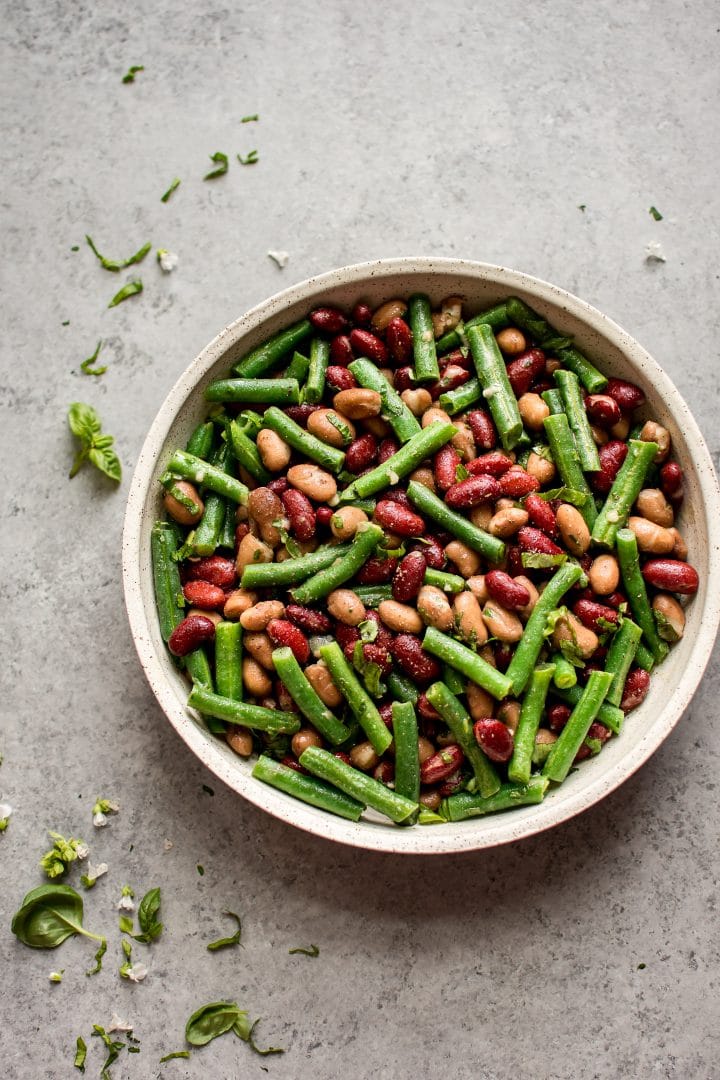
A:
480, 286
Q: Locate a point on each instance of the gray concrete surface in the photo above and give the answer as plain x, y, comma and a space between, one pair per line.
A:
433, 128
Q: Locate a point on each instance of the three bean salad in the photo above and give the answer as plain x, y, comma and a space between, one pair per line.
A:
419, 564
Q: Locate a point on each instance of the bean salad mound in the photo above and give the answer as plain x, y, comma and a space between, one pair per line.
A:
418, 563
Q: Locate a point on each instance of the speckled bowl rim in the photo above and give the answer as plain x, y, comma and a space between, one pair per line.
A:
589, 785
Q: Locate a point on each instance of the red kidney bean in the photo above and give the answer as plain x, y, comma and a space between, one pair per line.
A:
362, 314
342, 756
377, 571
346, 635
241, 532
494, 739
483, 429
541, 385
541, 514
360, 453
441, 765
279, 485
215, 569
365, 343
190, 634
598, 733
671, 575
403, 379
516, 483
386, 714
312, 622
503, 654
671, 482
283, 698
300, 513
558, 716
502, 588
531, 539
612, 455
204, 595
300, 413
339, 378
282, 632
397, 495
399, 341
295, 765
602, 409
456, 359
614, 600
408, 578
637, 685
591, 613
493, 464
450, 786
374, 654
387, 448
627, 394
341, 353
453, 376
328, 320
384, 771
514, 561
408, 651
473, 491
425, 709
524, 369
398, 519
433, 552
445, 465
324, 515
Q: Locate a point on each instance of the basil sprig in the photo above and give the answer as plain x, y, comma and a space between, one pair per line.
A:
94, 446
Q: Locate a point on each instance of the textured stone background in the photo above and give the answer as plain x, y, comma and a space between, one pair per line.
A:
427, 128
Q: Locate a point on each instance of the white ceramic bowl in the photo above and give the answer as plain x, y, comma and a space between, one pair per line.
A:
616, 354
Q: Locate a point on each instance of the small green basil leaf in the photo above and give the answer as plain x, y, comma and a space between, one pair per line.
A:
98, 958
211, 1021
251, 158
107, 462
84, 421
80, 1054
312, 951
655, 214
48, 916
86, 366
113, 1048
223, 943
221, 160
131, 289
129, 77
147, 917
175, 1054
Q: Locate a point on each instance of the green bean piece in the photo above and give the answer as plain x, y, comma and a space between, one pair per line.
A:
359, 786
361, 704
319, 360
256, 717
433, 507
565, 674
620, 657
407, 753
298, 368
451, 583
531, 713
634, 583
365, 541
423, 335
548, 338
207, 534
166, 578
453, 679
302, 441
255, 391
463, 659
401, 687
373, 595
202, 472
457, 718
306, 788
423, 445
310, 705
554, 400
564, 454
246, 453
569, 386
496, 317
497, 390
572, 736
609, 715
228, 660
200, 442
461, 398
644, 658
197, 666
528, 648
626, 487
290, 572
394, 409
266, 356
227, 533
464, 805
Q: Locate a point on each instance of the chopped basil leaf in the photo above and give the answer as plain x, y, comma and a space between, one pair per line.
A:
223, 943
75, 247
251, 158
113, 264
113, 1048
655, 214
253, 1045
86, 366
132, 72
175, 1054
368, 629
565, 494
369, 671
461, 473
312, 951
538, 560
221, 160
98, 958
201, 870
429, 817
173, 187
66, 323
131, 289
248, 119
80, 1054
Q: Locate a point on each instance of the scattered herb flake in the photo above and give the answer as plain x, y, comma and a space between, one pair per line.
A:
250, 159
641, 967
207, 789
113, 1048
87, 365
131, 289
312, 951
582, 206
85, 424
221, 160
66, 322
132, 72
655, 214
249, 119
113, 264
175, 1054
253, 1045
98, 958
80, 1053
75, 247
173, 187
223, 943
201, 870
56, 976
